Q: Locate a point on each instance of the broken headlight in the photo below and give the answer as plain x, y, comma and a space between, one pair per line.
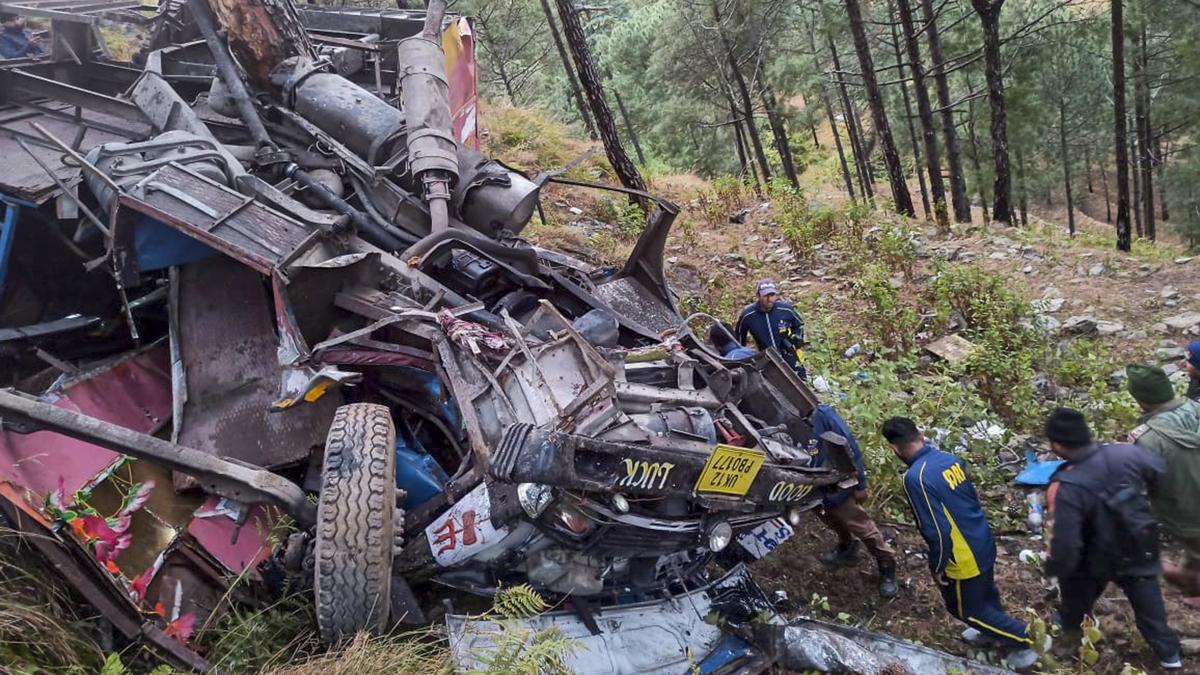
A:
719, 536
575, 521
534, 498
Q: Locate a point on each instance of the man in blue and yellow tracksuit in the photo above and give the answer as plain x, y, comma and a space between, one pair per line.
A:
961, 550
773, 323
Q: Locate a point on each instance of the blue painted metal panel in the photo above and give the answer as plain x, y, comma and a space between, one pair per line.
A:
8, 230
417, 472
159, 246
730, 649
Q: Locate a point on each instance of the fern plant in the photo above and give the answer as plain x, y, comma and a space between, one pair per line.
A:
517, 649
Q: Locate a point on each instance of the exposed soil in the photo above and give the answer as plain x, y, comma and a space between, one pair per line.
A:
918, 614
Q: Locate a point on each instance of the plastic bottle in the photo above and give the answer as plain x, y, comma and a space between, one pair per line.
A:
1034, 519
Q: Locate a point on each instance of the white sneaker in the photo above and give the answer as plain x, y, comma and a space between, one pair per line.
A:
971, 635
1172, 663
1019, 660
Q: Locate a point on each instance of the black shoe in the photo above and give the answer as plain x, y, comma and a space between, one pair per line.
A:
841, 556
887, 579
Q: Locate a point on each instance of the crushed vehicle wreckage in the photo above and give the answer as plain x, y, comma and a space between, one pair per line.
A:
266, 271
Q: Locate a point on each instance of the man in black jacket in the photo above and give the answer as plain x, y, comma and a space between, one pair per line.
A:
1104, 531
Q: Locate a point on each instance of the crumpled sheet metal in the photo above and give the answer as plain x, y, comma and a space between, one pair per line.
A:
662, 636
228, 347
830, 648
134, 392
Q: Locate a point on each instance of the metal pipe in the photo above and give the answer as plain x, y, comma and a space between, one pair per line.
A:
83, 163
424, 97
368, 227
65, 190
368, 200
229, 73
646, 394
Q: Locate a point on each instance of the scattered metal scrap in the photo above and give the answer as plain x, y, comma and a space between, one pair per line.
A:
274, 242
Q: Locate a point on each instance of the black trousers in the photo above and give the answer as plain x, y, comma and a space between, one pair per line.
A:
1079, 595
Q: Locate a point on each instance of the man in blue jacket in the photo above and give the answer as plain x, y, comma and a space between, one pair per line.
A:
15, 41
842, 510
773, 323
961, 550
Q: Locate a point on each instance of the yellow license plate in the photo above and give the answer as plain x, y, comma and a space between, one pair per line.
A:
730, 470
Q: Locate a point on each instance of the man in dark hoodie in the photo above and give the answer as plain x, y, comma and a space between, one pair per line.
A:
1102, 531
1170, 428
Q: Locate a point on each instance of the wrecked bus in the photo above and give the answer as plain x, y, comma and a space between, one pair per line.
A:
266, 313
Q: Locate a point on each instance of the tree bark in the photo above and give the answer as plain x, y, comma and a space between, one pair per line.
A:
626, 171
633, 135
933, 162
572, 81
261, 35
958, 182
1124, 238
861, 161
779, 131
908, 115
891, 158
1144, 126
989, 17
1066, 163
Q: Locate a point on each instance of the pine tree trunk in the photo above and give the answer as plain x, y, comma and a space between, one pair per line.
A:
989, 17
958, 181
1066, 163
1161, 161
867, 141
1136, 181
1124, 238
572, 81
633, 135
1022, 193
937, 188
891, 158
812, 128
758, 183
1144, 126
261, 35
837, 143
626, 171
975, 157
1107, 199
1087, 167
743, 92
737, 140
779, 131
908, 116
856, 144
